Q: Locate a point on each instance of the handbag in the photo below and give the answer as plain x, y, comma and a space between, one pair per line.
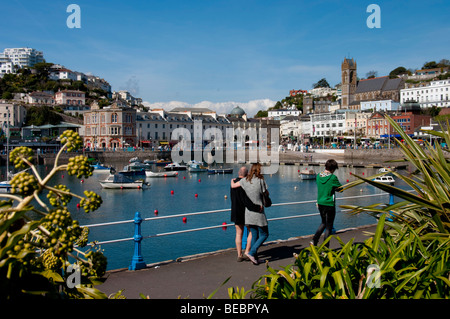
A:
267, 202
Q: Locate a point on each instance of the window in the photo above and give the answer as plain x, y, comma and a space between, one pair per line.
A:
114, 118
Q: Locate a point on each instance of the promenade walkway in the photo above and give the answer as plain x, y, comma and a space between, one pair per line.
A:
196, 277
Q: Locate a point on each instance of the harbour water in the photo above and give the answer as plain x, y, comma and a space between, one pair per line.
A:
212, 194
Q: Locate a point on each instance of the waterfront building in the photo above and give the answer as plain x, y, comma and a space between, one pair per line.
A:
328, 125
110, 127
155, 127
70, 97
427, 94
377, 125
410, 121
356, 123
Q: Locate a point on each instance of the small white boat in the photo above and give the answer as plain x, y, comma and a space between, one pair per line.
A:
175, 167
119, 181
195, 166
161, 174
307, 174
100, 168
386, 169
5, 187
385, 179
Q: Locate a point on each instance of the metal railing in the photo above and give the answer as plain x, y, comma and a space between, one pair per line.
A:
137, 261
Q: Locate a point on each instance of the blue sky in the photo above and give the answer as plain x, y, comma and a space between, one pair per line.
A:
227, 51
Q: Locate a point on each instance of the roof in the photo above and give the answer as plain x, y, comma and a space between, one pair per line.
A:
192, 109
237, 111
382, 83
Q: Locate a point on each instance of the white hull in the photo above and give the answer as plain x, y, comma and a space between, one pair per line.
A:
111, 185
161, 174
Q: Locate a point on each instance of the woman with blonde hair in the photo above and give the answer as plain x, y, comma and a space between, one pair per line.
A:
254, 186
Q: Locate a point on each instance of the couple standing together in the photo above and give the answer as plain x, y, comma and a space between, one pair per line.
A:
247, 209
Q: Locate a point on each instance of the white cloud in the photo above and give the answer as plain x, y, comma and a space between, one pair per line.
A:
251, 107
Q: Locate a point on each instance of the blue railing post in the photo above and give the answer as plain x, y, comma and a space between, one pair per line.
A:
137, 262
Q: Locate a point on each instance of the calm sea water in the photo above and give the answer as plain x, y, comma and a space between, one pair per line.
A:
284, 186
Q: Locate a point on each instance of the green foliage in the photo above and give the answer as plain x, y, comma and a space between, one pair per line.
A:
34, 253
406, 266
40, 115
410, 253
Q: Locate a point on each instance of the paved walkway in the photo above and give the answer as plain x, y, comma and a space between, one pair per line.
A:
196, 277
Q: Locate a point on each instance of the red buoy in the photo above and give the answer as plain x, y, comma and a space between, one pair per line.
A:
196, 195
224, 227
172, 192
199, 180
156, 212
184, 220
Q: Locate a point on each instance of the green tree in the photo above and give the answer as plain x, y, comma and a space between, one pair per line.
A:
430, 65
40, 115
397, 71
321, 84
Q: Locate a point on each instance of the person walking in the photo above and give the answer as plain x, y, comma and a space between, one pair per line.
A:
254, 185
239, 201
327, 185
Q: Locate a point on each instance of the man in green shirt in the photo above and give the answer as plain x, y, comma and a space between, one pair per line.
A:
327, 185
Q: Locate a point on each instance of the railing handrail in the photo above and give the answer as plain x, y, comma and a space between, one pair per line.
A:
222, 210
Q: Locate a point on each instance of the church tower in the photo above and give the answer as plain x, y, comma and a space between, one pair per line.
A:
348, 69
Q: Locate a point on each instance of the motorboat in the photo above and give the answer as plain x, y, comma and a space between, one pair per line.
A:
387, 179
220, 171
161, 174
386, 170
175, 167
162, 162
134, 169
99, 167
120, 181
194, 166
307, 174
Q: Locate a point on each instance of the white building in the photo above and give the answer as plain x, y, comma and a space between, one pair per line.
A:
381, 105
434, 93
284, 112
63, 74
322, 92
22, 57
328, 124
156, 126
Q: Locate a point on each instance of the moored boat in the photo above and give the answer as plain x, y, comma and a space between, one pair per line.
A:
307, 174
161, 174
194, 166
120, 181
385, 179
175, 167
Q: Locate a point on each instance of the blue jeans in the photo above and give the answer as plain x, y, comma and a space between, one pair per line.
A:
259, 236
